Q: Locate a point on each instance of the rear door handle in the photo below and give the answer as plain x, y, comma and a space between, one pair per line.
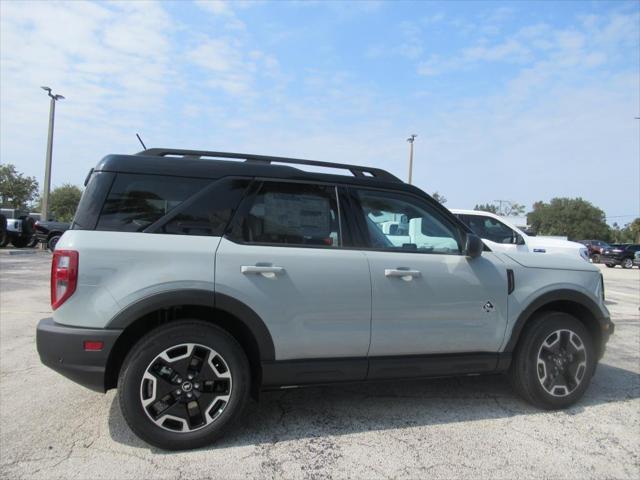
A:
404, 273
264, 270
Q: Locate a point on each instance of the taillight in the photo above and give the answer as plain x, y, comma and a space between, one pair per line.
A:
64, 276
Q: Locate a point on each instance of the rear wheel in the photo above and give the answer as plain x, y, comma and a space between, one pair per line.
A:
183, 384
554, 361
627, 263
595, 258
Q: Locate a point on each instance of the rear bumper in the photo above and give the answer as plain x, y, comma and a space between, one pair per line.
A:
61, 348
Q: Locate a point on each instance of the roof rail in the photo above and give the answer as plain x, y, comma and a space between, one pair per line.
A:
356, 170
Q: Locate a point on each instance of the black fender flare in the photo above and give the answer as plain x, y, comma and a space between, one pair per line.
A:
203, 298
565, 295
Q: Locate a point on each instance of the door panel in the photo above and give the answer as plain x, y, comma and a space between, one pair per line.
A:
315, 302
428, 296
441, 309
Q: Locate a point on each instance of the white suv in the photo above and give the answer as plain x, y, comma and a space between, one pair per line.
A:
502, 236
191, 282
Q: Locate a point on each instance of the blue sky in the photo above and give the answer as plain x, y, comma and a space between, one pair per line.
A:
510, 100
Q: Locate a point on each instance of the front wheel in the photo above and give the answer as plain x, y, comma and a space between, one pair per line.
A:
52, 242
627, 263
554, 361
183, 384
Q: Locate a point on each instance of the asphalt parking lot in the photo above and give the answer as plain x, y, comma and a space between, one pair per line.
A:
472, 427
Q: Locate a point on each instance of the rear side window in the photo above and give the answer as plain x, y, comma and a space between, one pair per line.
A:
208, 212
136, 201
292, 214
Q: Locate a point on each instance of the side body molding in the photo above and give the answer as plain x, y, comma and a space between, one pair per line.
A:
203, 298
555, 296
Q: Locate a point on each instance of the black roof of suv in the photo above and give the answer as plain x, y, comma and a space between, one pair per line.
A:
206, 164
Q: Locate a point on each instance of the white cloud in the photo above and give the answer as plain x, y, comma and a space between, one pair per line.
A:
589, 46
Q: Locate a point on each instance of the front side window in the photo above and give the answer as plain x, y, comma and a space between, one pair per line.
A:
490, 229
136, 201
293, 214
402, 222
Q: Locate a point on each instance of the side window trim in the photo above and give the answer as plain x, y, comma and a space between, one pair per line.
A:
233, 234
457, 225
339, 219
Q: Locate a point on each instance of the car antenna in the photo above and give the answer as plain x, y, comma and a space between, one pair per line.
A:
140, 140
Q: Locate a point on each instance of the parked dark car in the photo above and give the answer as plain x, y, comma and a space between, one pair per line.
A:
620, 254
596, 248
17, 227
50, 232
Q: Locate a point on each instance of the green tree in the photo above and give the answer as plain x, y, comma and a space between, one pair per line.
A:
635, 230
512, 209
486, 207
63, 202
505, 209
629, 233
574, 218
16, 189
439, 197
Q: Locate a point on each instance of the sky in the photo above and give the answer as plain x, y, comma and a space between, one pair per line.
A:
519, 101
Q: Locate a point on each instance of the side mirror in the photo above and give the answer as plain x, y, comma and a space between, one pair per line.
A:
519, 240
473, 246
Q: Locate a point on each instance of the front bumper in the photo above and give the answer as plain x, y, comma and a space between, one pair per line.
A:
608, 329
610, 259
61, 348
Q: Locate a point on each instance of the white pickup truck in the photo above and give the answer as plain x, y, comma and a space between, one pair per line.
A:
502, 236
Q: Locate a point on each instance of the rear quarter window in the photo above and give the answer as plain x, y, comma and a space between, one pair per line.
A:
137, 201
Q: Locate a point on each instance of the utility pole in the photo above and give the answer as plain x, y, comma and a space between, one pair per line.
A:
500, 203
411, 139
44, 213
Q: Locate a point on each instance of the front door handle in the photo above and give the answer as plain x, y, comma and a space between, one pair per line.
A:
264, 270
405, 274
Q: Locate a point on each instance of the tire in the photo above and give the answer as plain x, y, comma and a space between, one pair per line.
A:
528, 377
52, 242
20, 242
28, 226
611, 265
4, 237
595, 258
183, 341
627, 263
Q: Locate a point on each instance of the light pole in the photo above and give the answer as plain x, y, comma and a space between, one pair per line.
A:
411, 139
44, 213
